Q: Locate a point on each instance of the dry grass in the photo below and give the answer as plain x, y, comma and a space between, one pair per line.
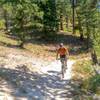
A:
5, 40
46, 52
87, 78
41, 51
82, 70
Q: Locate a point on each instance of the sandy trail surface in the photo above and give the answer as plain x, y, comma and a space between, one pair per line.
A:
42, 84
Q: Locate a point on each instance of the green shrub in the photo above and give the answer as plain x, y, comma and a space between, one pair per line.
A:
92, 84
2, 24
83, 67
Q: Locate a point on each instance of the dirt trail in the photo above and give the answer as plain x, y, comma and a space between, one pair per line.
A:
40, 81
55, 69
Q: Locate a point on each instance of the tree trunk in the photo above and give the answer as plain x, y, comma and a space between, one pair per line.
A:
21, 44
6, 19
88, 36
94, 57
61, 22
22, 34
88, 39
73, 16
80, 27
67, 24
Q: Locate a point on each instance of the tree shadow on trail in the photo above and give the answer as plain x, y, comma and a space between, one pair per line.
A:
34, 86
9, 45
76, 46
67, 39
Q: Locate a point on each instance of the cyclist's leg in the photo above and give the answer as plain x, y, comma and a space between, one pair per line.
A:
64, 67
66, 62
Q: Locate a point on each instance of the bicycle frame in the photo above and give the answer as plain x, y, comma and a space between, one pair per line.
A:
63, 70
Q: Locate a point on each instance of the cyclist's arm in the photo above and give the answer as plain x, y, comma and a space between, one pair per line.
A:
57, 54
67, 52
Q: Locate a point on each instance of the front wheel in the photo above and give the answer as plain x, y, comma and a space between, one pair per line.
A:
63, 65
63, 69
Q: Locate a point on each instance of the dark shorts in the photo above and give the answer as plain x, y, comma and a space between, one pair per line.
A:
63, 57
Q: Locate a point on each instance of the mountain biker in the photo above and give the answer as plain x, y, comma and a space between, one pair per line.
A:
63, 53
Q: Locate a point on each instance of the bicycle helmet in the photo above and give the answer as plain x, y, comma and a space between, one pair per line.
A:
61, 44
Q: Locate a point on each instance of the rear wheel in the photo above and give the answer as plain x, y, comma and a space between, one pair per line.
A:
62, 71
63, 67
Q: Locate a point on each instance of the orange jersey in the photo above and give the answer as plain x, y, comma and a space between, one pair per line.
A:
62, 51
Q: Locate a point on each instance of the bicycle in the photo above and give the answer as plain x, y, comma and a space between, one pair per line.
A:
63, 66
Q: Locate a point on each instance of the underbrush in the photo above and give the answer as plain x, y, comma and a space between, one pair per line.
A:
92, 84
82, 69
85, 75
